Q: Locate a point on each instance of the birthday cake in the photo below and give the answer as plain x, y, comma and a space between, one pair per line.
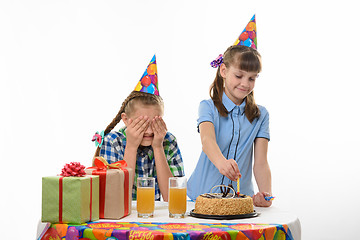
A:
223, 204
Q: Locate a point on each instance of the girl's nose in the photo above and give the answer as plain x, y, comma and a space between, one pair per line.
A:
245, 83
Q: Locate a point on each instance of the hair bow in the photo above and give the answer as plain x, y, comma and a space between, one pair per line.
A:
217, 62
98, 138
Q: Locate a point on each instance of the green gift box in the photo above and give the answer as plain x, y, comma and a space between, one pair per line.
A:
70, 199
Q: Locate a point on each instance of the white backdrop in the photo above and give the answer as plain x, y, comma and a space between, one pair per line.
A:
66, 67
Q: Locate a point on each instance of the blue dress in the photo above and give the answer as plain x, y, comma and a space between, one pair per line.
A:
235, 137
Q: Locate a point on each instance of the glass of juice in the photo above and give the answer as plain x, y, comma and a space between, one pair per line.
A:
177, 197
145, 197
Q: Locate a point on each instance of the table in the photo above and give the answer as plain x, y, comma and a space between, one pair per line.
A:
272, 223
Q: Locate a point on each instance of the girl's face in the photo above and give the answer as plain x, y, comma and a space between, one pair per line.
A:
237, 83
146, 110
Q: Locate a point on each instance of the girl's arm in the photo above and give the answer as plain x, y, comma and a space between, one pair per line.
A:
130, 156
163, 171
227, 167
134, 134
262, 172
162, 168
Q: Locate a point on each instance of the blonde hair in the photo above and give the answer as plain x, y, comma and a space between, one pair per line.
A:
128, 106
246, 59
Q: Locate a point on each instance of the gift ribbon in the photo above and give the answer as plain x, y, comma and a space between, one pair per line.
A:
126, 193
102, 181
61, 198
101, 165
90, 197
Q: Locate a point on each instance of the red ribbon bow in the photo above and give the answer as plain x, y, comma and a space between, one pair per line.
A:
101, 163
73, 169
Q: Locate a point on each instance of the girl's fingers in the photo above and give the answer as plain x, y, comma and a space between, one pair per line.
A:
260, 201
235, 170
232, 175
256, 199
144, 126
266, 194
140, 124
159, 125
155, 125
135, 122
163, 123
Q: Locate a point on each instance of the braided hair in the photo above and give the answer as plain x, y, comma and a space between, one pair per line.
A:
128, 106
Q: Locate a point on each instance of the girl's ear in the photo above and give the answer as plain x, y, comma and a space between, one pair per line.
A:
223, 70
124, 118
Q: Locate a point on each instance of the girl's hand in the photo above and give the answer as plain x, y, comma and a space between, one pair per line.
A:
230, 169
159, 128
135, 130
259, 199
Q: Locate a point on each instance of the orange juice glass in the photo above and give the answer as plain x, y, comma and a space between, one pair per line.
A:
177, 197
145, 197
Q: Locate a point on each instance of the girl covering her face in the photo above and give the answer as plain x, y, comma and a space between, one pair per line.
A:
144, 143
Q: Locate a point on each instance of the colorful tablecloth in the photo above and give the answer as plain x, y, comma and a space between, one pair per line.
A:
271, 223
167, 231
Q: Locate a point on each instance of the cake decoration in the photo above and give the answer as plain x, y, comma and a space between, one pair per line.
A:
238, 187
73, 169
224, 193
149, 81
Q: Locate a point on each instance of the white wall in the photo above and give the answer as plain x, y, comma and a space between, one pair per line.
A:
66, 67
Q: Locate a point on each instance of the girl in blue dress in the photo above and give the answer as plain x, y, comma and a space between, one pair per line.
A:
234, 130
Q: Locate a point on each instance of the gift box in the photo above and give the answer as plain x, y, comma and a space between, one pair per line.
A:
115, 195
70, 199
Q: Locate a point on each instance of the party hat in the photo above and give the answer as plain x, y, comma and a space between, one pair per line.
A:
248, 36
149, 81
